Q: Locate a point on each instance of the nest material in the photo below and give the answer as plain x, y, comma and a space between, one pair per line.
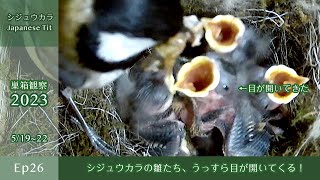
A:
4, 62
295, 28
26, 120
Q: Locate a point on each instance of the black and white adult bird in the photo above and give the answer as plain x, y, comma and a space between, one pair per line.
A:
100, 39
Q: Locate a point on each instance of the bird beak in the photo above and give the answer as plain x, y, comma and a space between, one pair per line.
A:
170, 51
198, 77
223, 32
283, 75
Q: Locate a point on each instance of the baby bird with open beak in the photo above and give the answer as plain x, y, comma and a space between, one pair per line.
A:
233, 40
229, 120
239, 116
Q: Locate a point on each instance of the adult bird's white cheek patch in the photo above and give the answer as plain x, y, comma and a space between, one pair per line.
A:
99, 80
115, 47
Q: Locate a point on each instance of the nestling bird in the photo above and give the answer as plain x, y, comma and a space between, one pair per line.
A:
252, 46
238, 118
213, 114
252, 132
229, 37
144, 102
231, 122
99, 40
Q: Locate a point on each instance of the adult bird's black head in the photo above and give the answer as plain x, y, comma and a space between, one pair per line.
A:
100, 39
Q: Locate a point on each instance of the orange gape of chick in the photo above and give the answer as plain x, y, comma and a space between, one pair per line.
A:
223, 32
283, 75
198, 77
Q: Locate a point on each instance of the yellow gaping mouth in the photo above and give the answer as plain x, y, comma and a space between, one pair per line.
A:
281, 75
198, 77
222, 32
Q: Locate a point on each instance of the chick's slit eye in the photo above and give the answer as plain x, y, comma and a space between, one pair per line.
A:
225, 87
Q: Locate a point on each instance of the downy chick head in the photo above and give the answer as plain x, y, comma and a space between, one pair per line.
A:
247, 43
151, 94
